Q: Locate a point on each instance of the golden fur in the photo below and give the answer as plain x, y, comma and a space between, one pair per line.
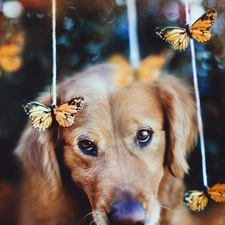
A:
62, 184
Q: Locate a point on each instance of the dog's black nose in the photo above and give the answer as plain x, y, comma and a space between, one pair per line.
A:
127, 211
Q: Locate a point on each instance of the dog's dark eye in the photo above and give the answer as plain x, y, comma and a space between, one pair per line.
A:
143, 137
88, 147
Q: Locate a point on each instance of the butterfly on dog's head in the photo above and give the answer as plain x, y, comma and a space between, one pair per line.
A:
198, 200
42, 116
179, 37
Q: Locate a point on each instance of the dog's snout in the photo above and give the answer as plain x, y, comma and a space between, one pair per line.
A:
127, 211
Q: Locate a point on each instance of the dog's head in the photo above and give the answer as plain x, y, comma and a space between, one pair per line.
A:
123, 141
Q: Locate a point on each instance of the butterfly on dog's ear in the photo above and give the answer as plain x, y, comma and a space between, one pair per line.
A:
198, 200
42, 116
179, 37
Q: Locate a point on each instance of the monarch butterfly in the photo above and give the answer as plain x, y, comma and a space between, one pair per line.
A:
42, 116
198, 200
179, 37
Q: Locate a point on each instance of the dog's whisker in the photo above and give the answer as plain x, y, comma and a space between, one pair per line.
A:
89, 214
101, 223
92, 222
165, 207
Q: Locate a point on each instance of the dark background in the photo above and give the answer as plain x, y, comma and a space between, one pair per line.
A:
88, 32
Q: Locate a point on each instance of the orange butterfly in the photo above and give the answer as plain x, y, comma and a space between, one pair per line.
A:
42, 116
198, 200
10, 52
179, 37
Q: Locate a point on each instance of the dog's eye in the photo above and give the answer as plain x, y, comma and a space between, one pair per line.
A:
88, 147
143, 137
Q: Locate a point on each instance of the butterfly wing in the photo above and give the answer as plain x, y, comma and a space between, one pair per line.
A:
217, 192
177, 37
200, 30
195, 200
65, 113
40, 114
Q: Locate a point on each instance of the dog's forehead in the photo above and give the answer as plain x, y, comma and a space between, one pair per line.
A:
92, 83
130, 107
108, 103
137, 104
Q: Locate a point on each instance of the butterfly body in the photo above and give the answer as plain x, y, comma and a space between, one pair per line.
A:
179, 37
187, 28
42, 116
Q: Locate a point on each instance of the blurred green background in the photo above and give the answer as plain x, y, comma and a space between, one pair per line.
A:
88, 32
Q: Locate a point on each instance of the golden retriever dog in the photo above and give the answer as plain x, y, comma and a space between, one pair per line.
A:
121, 163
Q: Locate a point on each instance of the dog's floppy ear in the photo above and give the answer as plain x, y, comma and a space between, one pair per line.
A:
180, 122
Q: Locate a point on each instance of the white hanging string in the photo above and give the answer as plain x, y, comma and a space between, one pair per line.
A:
54, 93
133, 33
198, 105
